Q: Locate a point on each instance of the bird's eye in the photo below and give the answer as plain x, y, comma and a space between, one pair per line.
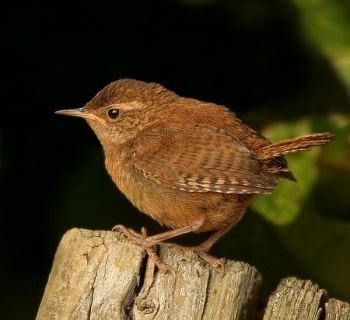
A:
113, 113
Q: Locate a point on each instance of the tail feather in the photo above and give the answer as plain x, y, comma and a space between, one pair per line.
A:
307, 142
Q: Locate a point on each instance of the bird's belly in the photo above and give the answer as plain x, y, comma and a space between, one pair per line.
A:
176, 208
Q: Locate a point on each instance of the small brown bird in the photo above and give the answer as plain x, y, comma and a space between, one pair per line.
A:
188, 164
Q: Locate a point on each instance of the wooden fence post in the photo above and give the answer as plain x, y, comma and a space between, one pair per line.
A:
101, 275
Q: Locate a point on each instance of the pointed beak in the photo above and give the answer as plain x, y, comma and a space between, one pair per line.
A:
79, 112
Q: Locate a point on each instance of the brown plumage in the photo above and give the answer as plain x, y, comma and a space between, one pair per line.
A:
190, 165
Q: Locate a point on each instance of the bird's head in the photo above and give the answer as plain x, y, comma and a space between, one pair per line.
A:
124, 108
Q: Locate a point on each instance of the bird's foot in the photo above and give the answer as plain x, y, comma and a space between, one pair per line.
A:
146, 244
134, 236
211, 260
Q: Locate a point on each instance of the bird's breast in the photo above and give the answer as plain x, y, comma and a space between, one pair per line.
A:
141, 192
125, 180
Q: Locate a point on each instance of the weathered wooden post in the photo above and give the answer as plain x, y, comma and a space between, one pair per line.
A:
101, 275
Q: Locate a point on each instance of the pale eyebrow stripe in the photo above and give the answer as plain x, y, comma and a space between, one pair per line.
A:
133, 105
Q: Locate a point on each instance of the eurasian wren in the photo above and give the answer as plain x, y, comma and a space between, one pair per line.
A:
188, 164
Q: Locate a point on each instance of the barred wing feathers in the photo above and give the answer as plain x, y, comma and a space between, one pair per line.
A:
203, 159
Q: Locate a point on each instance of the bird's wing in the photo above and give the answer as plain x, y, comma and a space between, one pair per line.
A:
200, 159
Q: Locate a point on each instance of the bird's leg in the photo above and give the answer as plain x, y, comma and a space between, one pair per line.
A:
148, 243
204, 247
144, 241
152, 253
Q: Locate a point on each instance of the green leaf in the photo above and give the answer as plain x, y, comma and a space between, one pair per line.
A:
285, 203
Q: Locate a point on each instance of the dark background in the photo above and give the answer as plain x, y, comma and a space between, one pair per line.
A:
249, 55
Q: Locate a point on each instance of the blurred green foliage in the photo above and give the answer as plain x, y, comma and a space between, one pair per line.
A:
285, 203
327, 24
312, 216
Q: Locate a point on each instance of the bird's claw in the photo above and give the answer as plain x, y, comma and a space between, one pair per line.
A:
211, 260
146, 244
140, 239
